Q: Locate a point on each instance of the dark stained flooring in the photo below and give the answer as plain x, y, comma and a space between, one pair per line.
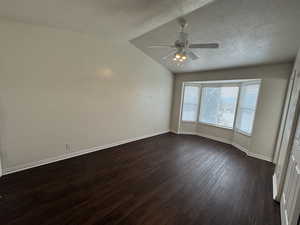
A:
164, 180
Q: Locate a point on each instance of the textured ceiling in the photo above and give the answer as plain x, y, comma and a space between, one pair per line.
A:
115, 19
249, 31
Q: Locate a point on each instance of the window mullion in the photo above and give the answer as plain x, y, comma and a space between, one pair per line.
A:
237, 109
199, 103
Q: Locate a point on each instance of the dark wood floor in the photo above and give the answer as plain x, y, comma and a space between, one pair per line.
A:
164, 180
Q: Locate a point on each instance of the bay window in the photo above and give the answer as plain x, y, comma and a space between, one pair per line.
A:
227, 104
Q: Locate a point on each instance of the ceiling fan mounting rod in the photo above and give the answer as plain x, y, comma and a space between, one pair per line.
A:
183, 23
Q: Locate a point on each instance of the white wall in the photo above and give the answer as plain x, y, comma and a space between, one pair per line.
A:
272, 94
60, 87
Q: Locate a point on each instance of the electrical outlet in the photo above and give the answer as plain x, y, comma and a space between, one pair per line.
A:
68, 148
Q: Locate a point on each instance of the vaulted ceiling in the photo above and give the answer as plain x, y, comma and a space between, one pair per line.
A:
249, 31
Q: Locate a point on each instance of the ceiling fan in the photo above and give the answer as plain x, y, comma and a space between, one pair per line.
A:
182, 48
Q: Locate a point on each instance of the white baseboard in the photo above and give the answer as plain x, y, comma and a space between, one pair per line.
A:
223, 140
239, 147
260, 156
187, 133
251, 154
30, 165
174, 131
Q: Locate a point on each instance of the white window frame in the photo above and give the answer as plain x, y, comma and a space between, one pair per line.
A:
209, 85
182, 103
220, 84
237, 118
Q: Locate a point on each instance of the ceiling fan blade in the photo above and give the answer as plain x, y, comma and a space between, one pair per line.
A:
192, 55
170, 54
161, 46
207, 45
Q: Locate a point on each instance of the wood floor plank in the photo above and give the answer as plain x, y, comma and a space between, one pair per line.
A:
164, 180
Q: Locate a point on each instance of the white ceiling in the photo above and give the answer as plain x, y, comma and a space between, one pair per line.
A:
249, 31
117, 19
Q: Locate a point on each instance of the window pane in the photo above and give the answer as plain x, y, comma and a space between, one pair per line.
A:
249, 95
246, 120
218, 105
190, 103
247, 107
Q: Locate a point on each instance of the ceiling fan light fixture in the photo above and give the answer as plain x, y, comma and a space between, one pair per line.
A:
183, 50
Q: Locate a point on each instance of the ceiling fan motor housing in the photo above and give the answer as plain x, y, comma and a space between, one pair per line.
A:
182, 41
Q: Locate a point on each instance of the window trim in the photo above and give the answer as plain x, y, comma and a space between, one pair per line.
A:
247, 83
182, 103
220, 84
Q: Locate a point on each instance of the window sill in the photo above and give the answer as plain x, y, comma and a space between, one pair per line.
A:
243, 133
218, 126
186, 121
215, 125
